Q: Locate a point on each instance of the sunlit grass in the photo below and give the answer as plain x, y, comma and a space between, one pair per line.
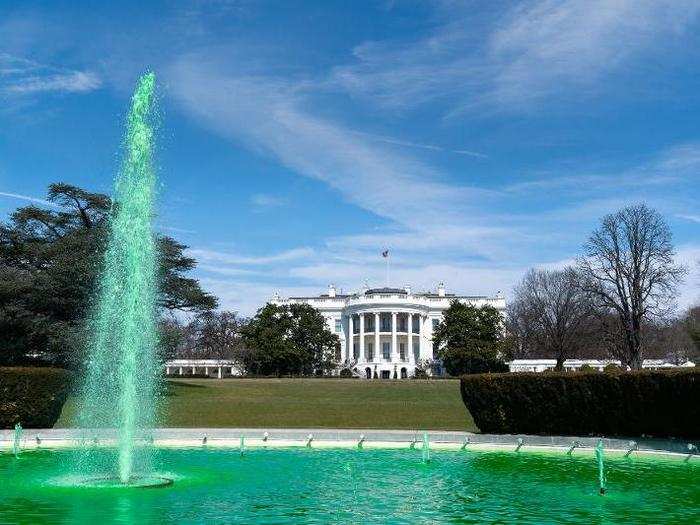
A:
298, 403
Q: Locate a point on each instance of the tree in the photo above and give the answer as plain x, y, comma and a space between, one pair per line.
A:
629, 269
470, 339
49, 263
289, 340
692, 327
219, 335
551, 314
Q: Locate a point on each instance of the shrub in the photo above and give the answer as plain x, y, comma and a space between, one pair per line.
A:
345, 372
638, 403
612, 368
32, 397
586, 368
476, 364
420, 374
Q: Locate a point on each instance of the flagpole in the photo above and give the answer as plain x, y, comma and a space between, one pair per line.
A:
387, 270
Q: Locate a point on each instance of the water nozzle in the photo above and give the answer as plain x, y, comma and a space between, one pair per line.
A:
521, 441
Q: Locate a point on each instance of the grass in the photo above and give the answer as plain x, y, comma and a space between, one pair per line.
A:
313, 403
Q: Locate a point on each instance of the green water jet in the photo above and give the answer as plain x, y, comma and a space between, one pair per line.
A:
122, 376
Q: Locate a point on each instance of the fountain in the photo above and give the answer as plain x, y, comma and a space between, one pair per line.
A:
601, 466
426, 448
122, 375
17, 437
574, 444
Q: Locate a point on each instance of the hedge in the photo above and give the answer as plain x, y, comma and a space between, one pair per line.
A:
624, 404
32, 397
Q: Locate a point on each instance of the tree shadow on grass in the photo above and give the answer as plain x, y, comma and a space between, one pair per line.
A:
172, 385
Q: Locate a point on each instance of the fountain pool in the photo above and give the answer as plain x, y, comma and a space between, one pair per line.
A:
293, 485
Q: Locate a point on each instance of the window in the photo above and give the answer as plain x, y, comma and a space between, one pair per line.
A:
338, 326
402, 351
416, 324
355, 352
386, 351
370, 351
386, 323
416, 350
436, 322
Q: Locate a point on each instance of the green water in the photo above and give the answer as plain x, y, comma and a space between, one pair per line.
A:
359, 486
122, 375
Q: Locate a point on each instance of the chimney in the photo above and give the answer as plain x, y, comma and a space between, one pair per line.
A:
408, 289
441, 289
331, 290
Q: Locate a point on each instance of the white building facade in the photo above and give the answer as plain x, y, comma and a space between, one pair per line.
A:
386, 333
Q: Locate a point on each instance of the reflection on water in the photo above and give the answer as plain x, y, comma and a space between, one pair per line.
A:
358, 486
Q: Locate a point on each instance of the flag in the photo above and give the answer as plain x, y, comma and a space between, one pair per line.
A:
385, 253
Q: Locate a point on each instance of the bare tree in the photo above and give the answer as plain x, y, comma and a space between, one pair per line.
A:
629, 268
551, 314
219, 334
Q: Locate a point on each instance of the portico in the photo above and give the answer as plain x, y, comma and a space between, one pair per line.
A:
385, 340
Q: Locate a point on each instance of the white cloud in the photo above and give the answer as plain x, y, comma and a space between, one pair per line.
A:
28, 198
20, 76
533, 52
214, 256
692, 218
263, 201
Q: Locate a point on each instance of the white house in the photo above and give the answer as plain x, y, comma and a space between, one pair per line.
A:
385, 332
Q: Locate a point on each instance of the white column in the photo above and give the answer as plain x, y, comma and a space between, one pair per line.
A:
206, 371
394, 346
420, 337
194, 370
180, 370
409, 339
362, 337
377, 349
232, 371
167, 370
219, 374
350, 339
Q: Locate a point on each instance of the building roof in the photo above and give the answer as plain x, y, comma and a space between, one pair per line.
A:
385, 290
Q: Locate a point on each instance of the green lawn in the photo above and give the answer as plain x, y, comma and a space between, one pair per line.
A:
315, 403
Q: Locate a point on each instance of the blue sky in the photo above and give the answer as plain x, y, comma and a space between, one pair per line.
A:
299, 139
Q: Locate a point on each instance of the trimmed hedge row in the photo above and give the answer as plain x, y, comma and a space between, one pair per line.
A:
32, 397
639, 403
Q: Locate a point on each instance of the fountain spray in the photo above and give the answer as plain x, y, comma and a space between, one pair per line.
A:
601, 466
122, 375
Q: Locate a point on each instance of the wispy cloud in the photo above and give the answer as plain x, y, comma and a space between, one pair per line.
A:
214, 256
430, 147
175, 230
264, 201
28, 198
691, 218
266, 114
531, 52
21, 76
676, 164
